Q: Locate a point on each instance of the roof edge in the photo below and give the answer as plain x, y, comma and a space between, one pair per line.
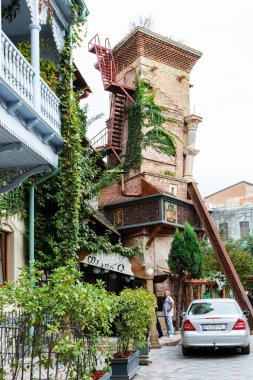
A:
164, 39
228, 187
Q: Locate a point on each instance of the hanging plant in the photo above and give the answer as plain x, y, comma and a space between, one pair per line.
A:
50, 11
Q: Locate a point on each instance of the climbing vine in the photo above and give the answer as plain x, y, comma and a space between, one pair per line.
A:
62, 203
146, 113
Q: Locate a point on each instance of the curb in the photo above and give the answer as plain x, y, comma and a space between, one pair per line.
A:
173, 342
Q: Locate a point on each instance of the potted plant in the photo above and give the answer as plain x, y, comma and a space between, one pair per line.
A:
72, 318
136, 312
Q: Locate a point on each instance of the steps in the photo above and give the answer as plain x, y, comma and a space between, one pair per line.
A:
120, 93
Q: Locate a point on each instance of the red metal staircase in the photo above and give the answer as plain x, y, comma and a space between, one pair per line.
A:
220, 250
111, 137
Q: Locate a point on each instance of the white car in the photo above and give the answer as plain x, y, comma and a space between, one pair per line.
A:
215, 322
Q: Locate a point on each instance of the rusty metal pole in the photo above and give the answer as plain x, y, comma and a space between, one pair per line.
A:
220, 250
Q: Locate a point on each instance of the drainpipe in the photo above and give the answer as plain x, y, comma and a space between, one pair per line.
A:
31, 215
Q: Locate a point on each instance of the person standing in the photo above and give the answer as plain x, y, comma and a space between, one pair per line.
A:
168, 310
158, 326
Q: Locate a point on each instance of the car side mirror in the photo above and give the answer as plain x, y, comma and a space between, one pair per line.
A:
183, 314
246, 313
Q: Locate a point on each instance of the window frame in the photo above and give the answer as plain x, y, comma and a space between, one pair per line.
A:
4, 256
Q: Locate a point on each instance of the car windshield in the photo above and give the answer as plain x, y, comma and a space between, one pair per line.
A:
211, 308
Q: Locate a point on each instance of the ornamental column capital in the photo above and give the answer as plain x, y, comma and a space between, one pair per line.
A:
193, 121
191, 151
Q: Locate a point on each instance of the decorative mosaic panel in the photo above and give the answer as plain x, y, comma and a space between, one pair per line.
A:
134, 214
170, 212
187, 214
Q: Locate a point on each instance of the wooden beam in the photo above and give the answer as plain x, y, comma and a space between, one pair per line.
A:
154, 234
220, 250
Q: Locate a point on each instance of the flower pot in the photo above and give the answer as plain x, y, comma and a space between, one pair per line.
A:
145, 356
106, 376
125, 368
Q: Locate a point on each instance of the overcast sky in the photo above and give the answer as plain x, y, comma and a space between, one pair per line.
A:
222, 78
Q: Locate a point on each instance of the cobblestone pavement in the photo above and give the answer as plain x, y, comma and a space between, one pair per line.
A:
169, 363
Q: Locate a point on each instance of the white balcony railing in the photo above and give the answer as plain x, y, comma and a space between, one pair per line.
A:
19, 75
16, 70
50, 106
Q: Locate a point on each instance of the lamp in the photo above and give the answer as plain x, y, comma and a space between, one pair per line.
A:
112, 275
132, 278
127, 279
85, 265
96, 270
150, 271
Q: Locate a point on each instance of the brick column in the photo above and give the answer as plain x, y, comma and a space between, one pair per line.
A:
190, 152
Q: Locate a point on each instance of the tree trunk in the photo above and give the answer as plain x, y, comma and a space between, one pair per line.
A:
179, 306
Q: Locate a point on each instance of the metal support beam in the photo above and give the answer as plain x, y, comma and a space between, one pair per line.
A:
220, 250
17, 181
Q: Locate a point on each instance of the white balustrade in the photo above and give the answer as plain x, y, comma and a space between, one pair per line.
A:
16, 70
50, 106
19, 74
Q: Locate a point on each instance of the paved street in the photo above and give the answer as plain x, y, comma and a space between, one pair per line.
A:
169, 363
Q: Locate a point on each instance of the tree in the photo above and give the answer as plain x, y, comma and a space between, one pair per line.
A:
185, 259
240, 256
194, 252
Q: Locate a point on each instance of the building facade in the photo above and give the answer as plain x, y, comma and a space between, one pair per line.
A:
151, 201
232, 210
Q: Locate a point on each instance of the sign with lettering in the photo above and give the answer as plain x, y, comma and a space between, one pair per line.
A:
109, 261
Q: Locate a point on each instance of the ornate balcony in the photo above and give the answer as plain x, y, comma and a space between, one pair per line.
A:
30, 120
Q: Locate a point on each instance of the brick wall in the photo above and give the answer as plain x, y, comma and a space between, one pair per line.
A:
237, 195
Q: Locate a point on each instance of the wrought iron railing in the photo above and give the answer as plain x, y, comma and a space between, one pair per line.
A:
101, 139
37, 355
19, 75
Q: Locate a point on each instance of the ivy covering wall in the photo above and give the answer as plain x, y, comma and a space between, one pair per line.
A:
62, 203
146, 113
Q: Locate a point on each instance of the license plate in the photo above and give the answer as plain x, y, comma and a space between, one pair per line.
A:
213, 327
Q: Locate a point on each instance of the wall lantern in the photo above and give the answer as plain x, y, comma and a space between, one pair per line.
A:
112, 275
150, 271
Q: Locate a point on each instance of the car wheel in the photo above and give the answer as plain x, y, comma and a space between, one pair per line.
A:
186, 350
245, 350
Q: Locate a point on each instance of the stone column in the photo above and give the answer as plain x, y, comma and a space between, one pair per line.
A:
190, 152
154, 339
35, 54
